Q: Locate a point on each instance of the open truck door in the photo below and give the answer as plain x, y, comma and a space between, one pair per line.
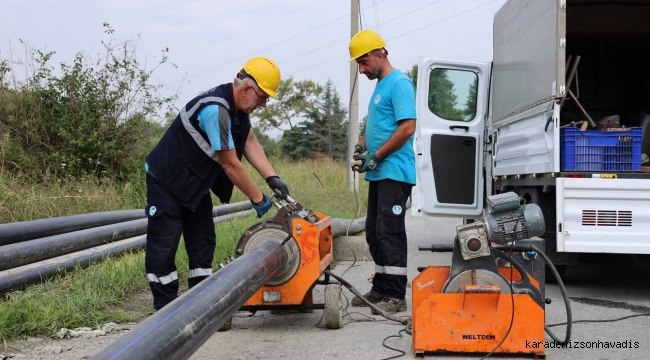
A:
452, 107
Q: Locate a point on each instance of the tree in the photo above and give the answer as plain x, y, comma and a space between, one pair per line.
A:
327, 125
442, 98
470, 105
362, 126
271, 148
295, 99
296, 143
413, 74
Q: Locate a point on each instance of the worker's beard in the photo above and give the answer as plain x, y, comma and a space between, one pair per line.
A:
374, 73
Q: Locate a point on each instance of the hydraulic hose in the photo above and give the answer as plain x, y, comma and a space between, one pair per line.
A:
180, 328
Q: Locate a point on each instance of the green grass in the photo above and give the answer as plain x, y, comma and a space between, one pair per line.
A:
112, 290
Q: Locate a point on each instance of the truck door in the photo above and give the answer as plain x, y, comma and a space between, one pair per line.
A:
449, 141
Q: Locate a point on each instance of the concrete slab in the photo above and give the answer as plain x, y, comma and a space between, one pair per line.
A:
350, 248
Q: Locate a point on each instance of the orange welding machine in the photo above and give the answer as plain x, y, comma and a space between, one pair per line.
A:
475, 305
307, 237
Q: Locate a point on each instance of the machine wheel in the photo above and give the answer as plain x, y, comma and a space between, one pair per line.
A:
332, 310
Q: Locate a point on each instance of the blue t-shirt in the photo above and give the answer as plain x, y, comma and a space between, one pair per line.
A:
216, 123
393, 100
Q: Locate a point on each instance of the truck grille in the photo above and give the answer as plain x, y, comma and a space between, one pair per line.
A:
606, 218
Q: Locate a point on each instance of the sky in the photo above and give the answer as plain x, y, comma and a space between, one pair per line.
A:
209, 41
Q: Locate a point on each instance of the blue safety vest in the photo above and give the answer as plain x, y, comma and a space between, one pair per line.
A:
184, 162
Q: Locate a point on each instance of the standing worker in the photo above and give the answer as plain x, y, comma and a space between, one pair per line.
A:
387, 158
202, 150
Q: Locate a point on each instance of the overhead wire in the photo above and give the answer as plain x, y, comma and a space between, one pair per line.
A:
403, 34
309, 52
374, 5
260, 50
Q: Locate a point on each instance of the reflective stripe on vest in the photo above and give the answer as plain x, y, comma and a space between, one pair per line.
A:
185, 118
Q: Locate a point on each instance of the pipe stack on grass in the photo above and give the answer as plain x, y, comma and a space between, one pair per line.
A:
32, 261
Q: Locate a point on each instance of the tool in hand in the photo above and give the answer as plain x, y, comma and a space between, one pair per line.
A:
356, 163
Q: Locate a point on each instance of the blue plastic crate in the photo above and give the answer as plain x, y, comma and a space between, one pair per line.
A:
601, 150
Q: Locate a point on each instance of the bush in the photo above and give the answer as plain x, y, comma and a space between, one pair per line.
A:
97, 117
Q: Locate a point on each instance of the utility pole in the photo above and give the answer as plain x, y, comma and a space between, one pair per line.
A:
353, 134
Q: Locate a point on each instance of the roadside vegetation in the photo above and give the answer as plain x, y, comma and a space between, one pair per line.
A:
73, 140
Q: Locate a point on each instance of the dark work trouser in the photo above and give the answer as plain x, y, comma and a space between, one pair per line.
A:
168, 219
386, 235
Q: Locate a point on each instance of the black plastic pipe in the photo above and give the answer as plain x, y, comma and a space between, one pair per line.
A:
27, 230
30, 251
23, 276
180, 328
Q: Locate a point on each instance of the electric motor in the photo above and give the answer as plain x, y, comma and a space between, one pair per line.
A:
506, 220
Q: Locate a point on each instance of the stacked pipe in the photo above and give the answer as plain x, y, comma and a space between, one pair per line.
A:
76, 240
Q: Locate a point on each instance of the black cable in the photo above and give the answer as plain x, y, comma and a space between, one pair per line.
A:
354, 217
402, 353
356, 292
560, 283
512, 315
599, 321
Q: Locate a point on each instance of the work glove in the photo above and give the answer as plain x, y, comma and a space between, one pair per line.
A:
369, 162
275, 183
358, 150
263, 206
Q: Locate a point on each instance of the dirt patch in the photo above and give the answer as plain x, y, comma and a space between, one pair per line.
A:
80, 343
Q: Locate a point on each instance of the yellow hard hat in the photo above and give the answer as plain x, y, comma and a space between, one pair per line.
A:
364, 42
265, 72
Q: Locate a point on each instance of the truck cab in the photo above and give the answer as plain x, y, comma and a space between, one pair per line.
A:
561, 117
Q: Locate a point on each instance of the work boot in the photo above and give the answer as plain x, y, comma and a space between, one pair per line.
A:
372, 296
390, 305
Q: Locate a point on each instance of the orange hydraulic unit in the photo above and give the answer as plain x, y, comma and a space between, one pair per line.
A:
475, 305
475, 320
310, 252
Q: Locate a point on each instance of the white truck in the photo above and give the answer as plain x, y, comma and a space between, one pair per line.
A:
510, 125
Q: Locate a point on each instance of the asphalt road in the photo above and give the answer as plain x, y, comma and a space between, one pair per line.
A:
604, 287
